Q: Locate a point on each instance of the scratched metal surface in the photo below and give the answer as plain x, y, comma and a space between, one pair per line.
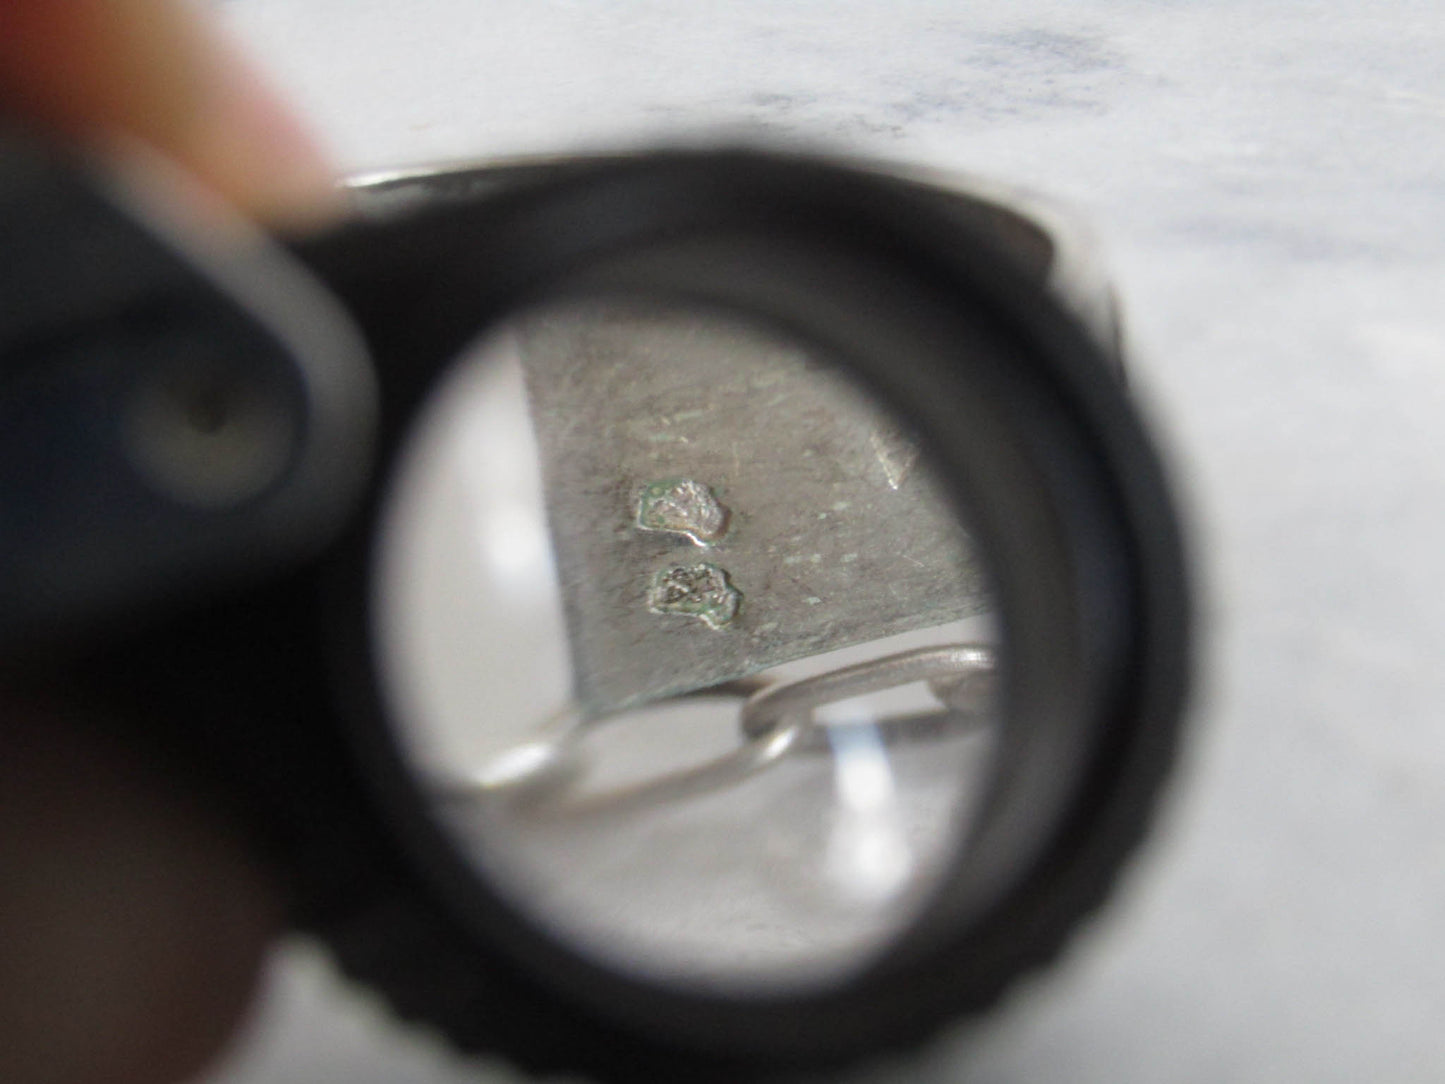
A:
835, 532
1267, 182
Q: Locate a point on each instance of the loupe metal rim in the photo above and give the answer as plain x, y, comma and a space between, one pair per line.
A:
608, 1023
1047, 240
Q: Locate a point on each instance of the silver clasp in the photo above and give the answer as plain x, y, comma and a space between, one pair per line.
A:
774, 719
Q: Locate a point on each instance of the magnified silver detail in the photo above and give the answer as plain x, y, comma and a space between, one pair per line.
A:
682, 506
701, 590
556, 766
896, 454
776, 718
973, 691
836, 534
755, 600
770, 708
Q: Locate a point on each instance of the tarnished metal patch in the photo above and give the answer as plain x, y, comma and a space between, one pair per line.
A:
661, 429
682, 506
700, 590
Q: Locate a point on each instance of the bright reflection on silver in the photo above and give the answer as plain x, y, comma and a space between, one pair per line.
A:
868, 853
750, 783
517, 765
945, 664
773, 717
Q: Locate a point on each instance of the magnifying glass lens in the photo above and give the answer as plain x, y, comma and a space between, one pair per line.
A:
685, 635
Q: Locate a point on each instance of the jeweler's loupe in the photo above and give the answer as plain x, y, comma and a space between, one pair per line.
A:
689, 616
684, 634
771, 611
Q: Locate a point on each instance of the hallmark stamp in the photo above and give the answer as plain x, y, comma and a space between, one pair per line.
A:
701, 590
682, 506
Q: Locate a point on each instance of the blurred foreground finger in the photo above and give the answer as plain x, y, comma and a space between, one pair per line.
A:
132, 921
101, 71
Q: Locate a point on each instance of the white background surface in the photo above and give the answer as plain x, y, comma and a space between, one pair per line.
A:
1269, 186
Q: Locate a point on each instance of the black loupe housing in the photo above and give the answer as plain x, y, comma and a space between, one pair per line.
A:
961, 316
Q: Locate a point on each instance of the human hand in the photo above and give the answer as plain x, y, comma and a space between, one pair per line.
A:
133, 920
107, 72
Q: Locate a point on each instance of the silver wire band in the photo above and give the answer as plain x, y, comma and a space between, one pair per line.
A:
946, 668
774, 719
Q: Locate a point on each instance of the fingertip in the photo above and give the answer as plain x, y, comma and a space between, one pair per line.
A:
135, 921
103, 72
254, 151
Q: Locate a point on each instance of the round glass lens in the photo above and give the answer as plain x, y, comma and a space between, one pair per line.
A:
686, 638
